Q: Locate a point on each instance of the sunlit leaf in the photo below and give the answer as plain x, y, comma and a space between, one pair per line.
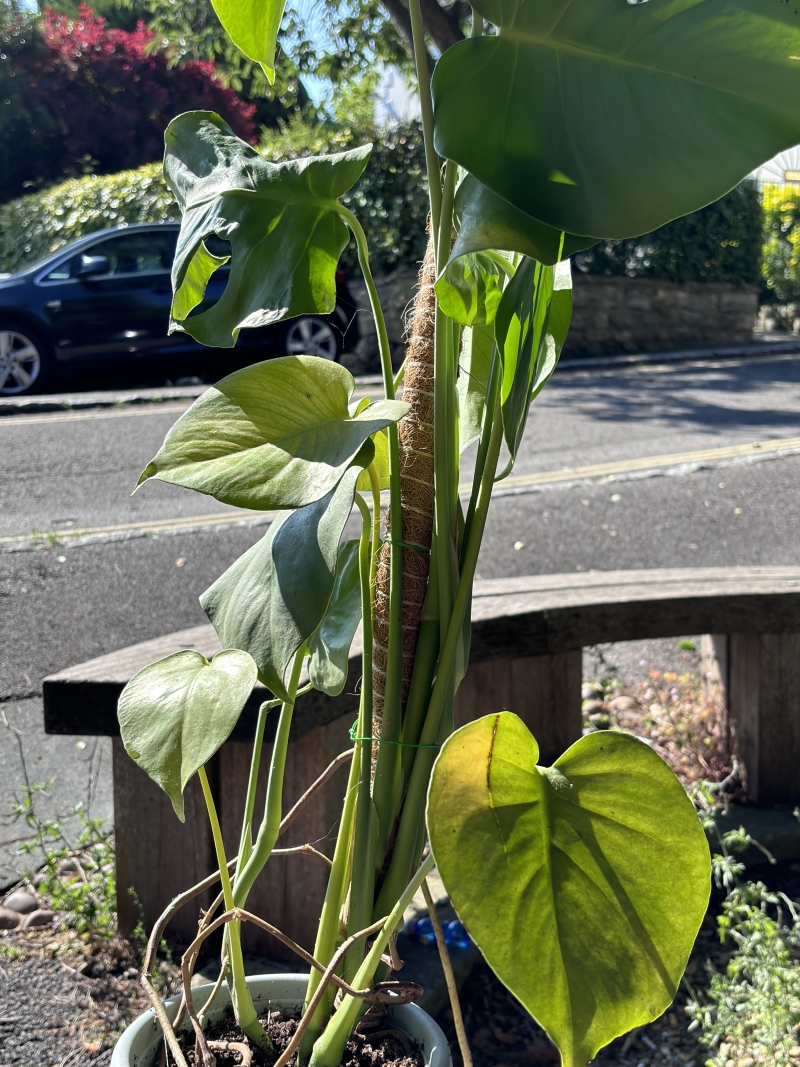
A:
281, 220
583, 884
175, 714
473, 375
471, 286
609, 118
273, 598
193, 286
253, 27
329, 645
278, 434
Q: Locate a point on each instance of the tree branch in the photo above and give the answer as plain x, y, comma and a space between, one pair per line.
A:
401, 20
441, 24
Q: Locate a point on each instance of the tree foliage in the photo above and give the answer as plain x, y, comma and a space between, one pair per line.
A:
81, 96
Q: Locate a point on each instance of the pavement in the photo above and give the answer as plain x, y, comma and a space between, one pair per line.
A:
649, 464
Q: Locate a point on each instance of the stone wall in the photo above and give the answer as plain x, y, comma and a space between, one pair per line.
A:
613, 315
610, 315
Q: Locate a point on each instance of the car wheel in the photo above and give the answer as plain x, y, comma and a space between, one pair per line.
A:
310, 336
24, 361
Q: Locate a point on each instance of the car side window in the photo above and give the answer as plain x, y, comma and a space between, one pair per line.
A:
127, 254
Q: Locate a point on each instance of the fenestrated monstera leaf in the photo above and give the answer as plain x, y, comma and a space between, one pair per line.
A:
278, 434
281, 220
583, 884
175, 713
275, 596
609, 119
487, 221
329, 646
253, 27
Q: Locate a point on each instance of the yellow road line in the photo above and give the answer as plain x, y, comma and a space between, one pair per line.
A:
104, 413
522, 481
642, 463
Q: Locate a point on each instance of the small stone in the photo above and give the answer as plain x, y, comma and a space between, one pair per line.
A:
9, 920
600, 719
591, 707
86, 968
591, 691
625, 703
21, 902
40, 917
68, 867
198, 980
39, 880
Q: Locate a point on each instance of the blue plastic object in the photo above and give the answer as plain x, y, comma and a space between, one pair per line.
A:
423, 931
455, 935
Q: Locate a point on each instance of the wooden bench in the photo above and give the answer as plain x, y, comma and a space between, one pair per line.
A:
527, 640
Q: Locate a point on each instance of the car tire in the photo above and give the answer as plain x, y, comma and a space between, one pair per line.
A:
311, 335
24, 360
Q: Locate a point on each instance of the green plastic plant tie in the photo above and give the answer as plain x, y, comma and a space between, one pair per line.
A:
405, 544
384, 740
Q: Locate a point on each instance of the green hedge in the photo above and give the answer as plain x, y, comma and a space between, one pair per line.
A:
782, 244
719, 243
723, 242
40, 223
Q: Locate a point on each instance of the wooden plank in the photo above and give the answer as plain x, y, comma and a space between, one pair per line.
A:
156, 855
545, 691
764, 676
512, 618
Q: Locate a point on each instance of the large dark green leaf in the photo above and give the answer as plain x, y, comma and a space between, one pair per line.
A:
329, 646
487, 221
280, 218
610, 119
175, 714
274, 597
583, 884
278, 434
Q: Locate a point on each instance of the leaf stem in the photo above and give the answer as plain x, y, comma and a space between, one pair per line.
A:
449, 977
432, 162
270, 824
246, 840
246, 1014
329, 1047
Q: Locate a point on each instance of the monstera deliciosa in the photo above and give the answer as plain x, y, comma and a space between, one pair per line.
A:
610, 119
583, 883
282, 220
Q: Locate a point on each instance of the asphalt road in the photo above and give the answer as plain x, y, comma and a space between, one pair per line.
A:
140, 562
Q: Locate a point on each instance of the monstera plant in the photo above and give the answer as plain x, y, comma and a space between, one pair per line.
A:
557, 123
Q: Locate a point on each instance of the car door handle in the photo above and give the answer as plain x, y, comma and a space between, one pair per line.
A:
53, 305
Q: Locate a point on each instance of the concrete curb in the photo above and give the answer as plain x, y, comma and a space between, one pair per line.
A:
34, 405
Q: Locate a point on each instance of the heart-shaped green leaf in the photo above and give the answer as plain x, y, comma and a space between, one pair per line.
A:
583, 884
470, 286
275, 435
329, 645
281, 219
175, 714
275, 596
609, 118
474, 363
253, 27
487, 221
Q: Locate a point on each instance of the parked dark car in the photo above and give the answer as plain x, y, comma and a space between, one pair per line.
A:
102, 302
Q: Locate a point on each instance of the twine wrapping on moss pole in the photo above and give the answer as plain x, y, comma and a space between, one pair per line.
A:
416, 493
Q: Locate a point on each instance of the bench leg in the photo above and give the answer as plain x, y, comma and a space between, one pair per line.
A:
157, 856
764, 703
545, 691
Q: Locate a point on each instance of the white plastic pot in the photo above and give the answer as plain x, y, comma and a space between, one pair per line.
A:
141, 1043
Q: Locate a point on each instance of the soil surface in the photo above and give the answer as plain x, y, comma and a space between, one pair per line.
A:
383, 1047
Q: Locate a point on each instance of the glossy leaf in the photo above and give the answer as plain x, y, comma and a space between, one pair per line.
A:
281, 220
193, 286
487, 221
609, 118
470, 287
275, 435
175, 714
253, 27
275, 596
380, 463
329, 646
477, 344
583, 884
